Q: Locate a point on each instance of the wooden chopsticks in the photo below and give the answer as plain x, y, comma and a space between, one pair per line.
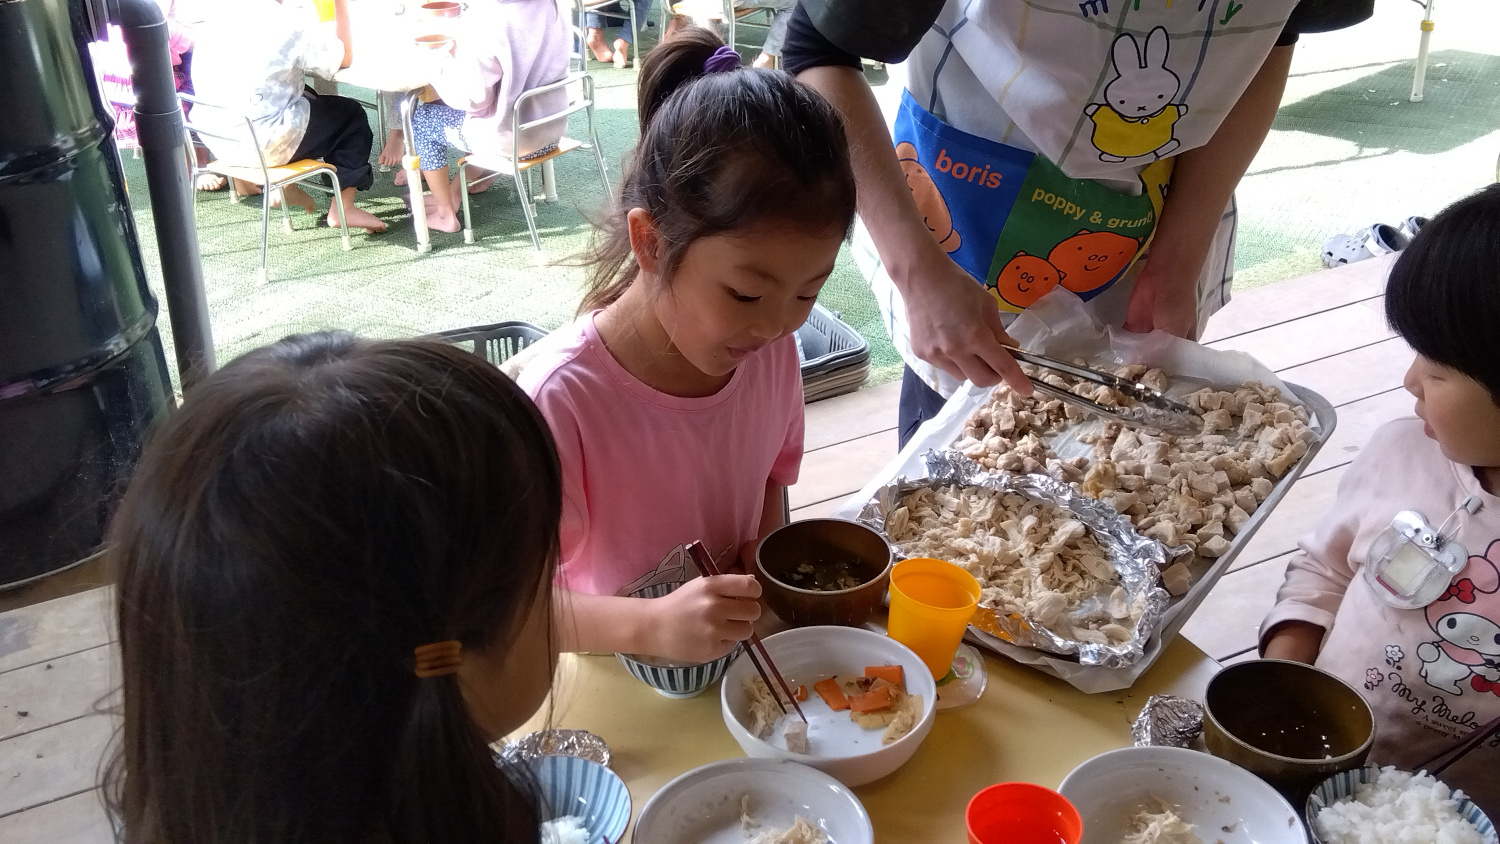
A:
753, 648
1437, 764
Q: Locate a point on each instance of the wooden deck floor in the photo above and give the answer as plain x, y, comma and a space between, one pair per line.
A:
1325, 331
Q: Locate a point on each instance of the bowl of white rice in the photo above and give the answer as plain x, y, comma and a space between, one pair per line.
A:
1374, 805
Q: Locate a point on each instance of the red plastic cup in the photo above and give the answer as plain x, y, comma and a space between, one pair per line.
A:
1022, 813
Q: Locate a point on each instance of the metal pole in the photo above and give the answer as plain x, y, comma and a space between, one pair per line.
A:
160, 130
1419, 80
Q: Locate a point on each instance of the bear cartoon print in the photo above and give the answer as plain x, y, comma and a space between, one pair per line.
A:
1138, 115
1464, 654
929, 199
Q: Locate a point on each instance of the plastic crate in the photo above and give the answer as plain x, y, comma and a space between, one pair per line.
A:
495, 343
826, 344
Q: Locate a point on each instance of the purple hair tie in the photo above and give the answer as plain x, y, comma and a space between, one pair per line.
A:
723, 59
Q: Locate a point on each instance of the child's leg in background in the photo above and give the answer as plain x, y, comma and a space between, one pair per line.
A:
339, 133
394, 141
624, 37
594, 24
432, 126
770, 51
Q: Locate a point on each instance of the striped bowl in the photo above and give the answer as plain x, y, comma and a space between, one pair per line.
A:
583, 788
674, 681
1342, 785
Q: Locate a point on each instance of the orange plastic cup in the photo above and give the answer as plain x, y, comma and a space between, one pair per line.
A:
931, 604
1022, 813
325, 9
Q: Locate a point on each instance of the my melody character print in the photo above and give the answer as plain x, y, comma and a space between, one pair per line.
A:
1139, 109
1464, 654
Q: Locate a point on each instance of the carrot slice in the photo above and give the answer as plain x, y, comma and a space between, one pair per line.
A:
872, 701
801, 693
890, 673
832, 694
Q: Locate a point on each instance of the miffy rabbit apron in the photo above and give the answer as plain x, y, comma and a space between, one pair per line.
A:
1038, 136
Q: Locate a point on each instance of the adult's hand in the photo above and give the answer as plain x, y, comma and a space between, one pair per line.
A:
1163, 303
1203, 181
955, 325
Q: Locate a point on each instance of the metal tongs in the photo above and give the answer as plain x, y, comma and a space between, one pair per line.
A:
1154, 411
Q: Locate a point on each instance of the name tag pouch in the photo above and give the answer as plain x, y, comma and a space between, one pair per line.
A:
1411, 563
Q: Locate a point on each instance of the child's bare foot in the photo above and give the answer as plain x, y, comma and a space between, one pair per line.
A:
475, 174
297, 198
440, 215
400, 177
622, 53
244, 188
356, 218
601, 52
210, 182
395, 146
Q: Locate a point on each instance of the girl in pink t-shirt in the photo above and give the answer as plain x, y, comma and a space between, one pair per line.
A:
676, 397
1430, 672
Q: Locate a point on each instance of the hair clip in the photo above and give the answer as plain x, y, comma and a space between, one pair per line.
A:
723, 59
439, 658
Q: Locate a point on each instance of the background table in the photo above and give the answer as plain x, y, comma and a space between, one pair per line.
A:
1027, 726
387, 59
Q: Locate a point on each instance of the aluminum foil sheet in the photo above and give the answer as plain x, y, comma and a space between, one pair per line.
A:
1168, 721
1136, 558
557, 743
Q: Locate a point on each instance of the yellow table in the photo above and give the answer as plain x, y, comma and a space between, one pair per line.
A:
1027, 726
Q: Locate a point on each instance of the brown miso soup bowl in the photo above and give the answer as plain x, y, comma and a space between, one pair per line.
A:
435, 42
442, 9
1291, 724
824, 571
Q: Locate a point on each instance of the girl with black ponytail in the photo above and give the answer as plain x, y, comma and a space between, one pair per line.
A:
335, 564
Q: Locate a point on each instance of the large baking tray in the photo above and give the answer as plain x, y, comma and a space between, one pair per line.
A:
1206, 572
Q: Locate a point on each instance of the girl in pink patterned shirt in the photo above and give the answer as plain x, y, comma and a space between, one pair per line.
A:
1431, 673
676, 397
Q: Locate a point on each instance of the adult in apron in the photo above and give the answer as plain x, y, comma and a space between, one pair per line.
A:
1038, 144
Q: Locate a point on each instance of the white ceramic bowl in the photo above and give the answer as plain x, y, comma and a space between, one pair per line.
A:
703, 806
1224, 801
839, 747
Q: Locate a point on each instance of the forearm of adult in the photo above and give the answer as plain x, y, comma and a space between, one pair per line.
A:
955, 325
885, 203
585, 622
1203, 180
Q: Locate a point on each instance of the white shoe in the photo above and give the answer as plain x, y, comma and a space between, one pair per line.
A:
1411, 225
1379, 239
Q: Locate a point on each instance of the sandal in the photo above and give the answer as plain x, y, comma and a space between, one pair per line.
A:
1379, 239
1411, 225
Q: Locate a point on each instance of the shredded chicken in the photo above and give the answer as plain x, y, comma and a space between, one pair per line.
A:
1031, 558
1157, 822
802, 832
764, 709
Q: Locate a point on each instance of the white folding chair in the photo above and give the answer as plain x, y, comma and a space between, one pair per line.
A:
722, 11
271, 179
580, 88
